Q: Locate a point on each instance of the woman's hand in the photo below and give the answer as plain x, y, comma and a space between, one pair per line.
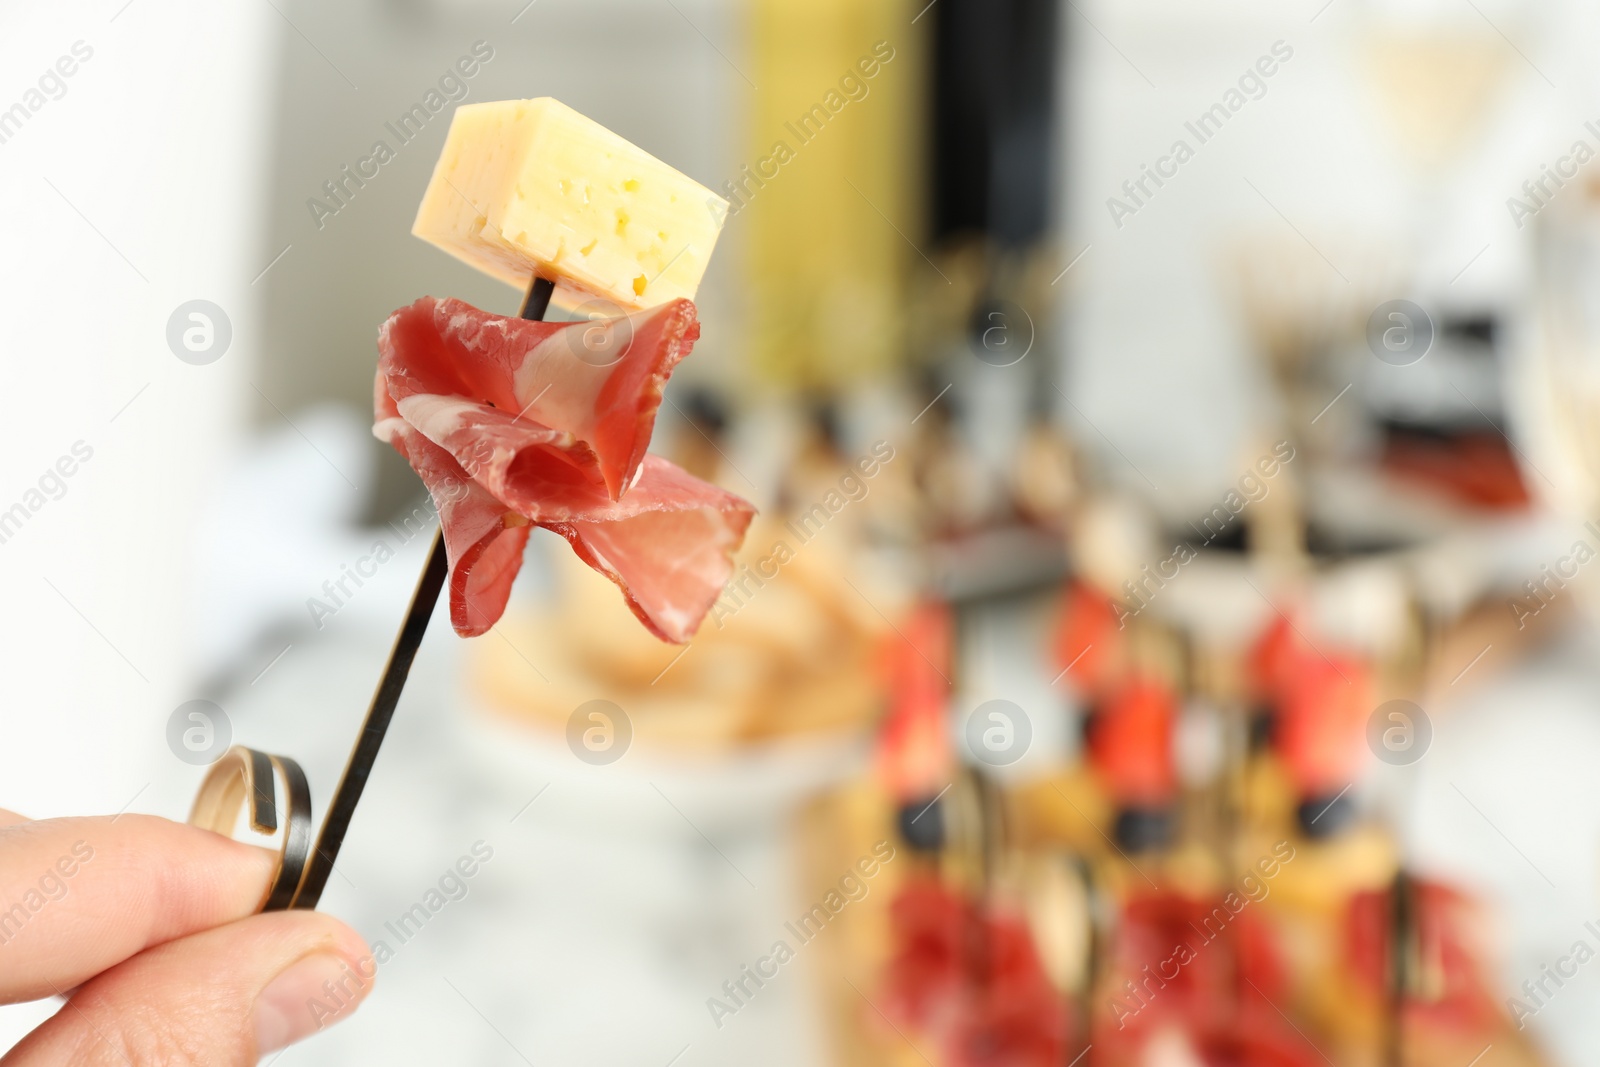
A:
148, 928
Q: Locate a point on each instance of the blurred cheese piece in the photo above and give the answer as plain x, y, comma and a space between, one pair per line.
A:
529, 187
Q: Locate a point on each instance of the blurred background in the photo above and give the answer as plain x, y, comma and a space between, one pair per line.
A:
1169, 637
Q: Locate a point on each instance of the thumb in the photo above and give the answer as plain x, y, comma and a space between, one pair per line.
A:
227, 996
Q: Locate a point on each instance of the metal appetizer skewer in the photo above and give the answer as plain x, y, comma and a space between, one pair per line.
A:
245, 775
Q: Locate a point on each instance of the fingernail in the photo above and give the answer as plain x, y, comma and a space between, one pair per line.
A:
308, 996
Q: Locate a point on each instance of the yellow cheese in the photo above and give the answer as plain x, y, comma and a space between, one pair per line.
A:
529, 187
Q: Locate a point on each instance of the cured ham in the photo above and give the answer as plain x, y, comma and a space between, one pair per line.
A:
971, 974
513, 424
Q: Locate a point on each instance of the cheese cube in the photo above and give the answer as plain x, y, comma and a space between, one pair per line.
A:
529, 187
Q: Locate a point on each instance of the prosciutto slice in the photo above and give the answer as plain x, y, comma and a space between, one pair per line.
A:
513, 424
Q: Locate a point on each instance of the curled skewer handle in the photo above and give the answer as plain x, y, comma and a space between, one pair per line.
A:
244, 776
